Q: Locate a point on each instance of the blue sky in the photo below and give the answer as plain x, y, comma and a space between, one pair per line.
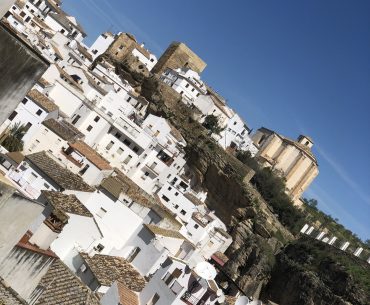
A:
292, 66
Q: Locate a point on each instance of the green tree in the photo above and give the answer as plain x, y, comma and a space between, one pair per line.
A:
13, 141
212, 124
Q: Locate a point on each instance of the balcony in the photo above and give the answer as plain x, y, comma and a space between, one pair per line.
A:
151, 168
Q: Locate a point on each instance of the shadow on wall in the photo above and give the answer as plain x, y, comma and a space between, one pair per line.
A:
20, 68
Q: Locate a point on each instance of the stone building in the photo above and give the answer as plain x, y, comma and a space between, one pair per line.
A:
125, 44
293, 160
179, 55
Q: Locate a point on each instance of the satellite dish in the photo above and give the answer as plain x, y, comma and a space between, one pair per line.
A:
205, 270
243, 300
221, 299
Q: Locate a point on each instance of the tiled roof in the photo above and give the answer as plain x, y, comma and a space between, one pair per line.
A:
43, 82
63, 129
20, 3
16, 156
41, 100
84, 51
94, 84
62, 287
91, 154
119, 183
164, 232
109, 269
220, 256
193, 199
66, 203
60, 175
127, 296
8, 296
70, 80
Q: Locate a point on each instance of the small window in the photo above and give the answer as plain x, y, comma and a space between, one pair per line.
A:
99, 248
75, 120
129, 98
165, 198
117, 135
127, 160
169, 188
101, 212
89, 128
109, 146
24, 101
183, 212
133, 254
177, 193
126, 142
121, 47
97, 118
39, 112
13, 115
176, 206
196, 226
187, 86
153, 300
119, 151
47, 186
135, 149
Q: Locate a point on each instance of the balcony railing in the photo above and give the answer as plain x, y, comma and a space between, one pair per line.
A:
190, 299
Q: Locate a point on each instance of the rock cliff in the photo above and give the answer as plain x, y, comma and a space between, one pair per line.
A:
259, 259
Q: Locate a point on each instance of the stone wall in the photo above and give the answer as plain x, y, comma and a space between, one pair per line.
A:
178, 55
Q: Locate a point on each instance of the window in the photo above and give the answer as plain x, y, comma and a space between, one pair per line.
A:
187, 86
176, 206
198, 94
169, 176
165, 198
75, 120
62, 31
171, 276
89, 128
121, 47
126, 142
82, 171
110, 114
101, 212
28, 126
45, 131
181, 92
135, 149
47, 186
22, 14
13, 115
196, 226
192, 90
39, 112
183, 212
97, 118
153, 300
127, 160
99, 248
24, 101
133, 254
117, 135
177, 193
109, 146
169, 188
119, 151
129, 98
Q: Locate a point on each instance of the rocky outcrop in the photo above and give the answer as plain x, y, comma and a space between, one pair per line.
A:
255, 257
309, 272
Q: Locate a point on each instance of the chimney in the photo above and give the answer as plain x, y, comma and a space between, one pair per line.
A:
49, 230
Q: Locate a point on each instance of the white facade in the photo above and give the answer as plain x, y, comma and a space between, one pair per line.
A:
148, 62
30, 114
186, 82
236, 134
116, 222
101, 44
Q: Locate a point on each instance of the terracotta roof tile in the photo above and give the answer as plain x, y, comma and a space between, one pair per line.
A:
127, 296
109, 269
66, 203
91, 154
43, 101
60, 286
8, 296
63, 129
63, 177
164, 232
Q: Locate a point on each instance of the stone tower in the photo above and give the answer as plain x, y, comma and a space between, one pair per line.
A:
179, 55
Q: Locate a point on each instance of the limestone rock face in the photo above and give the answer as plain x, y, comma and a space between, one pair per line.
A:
304, 274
